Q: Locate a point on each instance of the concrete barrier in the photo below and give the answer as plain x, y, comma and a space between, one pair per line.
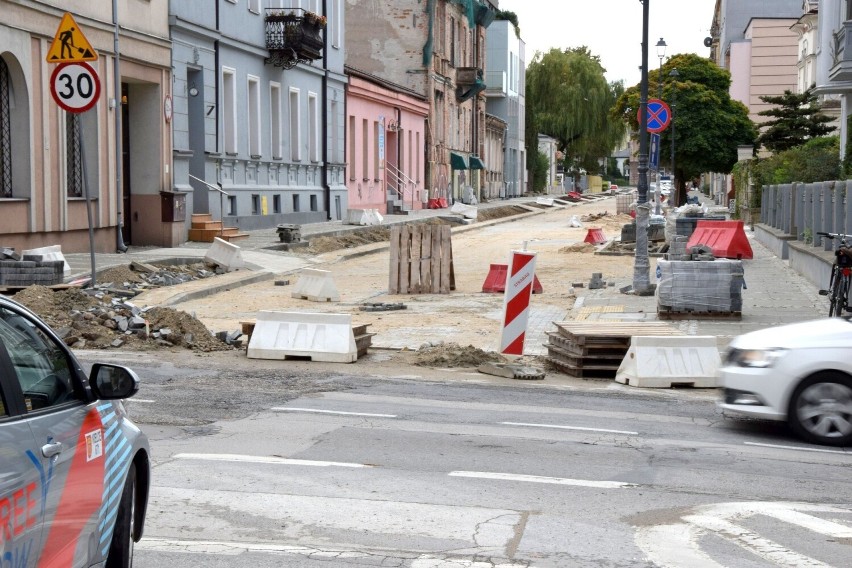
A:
467, 211
53, 252
316, 285
224, 254
321, 337
661, 362
364, 217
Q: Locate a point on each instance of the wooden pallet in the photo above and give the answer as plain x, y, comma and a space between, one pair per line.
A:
421, 260
587, 373
607, 350
601, 331
597, 362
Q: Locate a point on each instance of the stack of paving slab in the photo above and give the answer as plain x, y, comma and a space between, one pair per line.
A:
26, 270
700, 288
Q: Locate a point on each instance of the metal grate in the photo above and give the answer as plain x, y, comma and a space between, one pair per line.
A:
73, 155
5, 132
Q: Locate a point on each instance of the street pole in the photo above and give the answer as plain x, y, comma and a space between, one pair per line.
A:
641, 266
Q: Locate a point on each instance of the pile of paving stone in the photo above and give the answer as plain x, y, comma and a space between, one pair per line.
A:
26, 270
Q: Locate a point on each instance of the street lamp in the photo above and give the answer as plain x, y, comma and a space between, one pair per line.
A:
641, 265
674, 75
661, 53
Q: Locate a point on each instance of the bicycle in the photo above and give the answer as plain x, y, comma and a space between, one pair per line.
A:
841, 276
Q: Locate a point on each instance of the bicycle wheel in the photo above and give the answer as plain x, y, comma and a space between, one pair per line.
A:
843, 295
837, 298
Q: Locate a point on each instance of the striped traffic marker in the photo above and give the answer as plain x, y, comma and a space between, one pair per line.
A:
516, 302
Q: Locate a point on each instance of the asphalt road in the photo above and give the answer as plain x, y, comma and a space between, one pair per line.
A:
286, 466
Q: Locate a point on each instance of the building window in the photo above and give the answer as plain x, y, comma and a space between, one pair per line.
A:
229, 109
275, 119
232, 205
254, 116
295, 126
5, 131
452, 42
255, 204
334, 144
276, 204
73, 155
254, 6
296, 203
313, 128
350, 163
365, 152
376, 149
417, 153
337, 23
314, 203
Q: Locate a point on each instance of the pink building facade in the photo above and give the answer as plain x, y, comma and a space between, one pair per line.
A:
386, 134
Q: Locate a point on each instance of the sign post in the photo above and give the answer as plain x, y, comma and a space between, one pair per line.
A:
516, 302
76, 88
659, 116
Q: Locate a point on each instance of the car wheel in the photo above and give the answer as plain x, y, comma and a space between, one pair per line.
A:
821, 409
121, 548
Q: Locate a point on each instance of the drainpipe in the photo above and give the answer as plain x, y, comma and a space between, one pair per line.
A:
119, 186
324, 174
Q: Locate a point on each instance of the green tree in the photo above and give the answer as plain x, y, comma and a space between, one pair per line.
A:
538, 172
568, 98
510, 16
796, 119
709, 125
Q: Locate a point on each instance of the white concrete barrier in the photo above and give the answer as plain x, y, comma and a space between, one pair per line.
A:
548, 201
224, 254
322, 337
660, 362
53, 252
467, 211
316, 285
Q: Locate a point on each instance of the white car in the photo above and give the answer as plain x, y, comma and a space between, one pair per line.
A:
799, 373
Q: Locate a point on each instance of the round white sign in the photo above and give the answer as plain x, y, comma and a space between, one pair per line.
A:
75, 86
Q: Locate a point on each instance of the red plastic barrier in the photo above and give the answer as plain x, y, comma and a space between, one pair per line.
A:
496, 280
438, 203
595, 236
727, 239
575, 195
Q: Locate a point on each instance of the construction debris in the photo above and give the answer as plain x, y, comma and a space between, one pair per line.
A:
512, 371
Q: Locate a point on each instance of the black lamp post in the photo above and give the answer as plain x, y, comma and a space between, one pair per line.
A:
661, 53
641, 265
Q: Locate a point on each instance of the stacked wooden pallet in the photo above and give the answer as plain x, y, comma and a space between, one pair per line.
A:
595, 349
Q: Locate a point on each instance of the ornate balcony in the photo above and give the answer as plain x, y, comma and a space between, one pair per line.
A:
293, 35
841, 65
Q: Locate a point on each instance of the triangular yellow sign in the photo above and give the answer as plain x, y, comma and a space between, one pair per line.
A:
70, 45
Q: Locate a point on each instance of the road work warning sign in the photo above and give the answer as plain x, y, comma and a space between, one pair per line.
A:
70, 45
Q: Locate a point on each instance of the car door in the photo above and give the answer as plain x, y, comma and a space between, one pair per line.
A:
22, 481
68, 433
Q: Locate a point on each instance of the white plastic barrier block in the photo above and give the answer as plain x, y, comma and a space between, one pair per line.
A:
364, 217
316, 285
660, 362
374, 217
467, 211
224, 254
322, 337
548, 201
53, 252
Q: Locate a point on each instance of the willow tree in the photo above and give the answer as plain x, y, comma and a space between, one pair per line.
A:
569, 99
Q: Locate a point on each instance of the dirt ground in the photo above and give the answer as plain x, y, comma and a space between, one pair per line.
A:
467, 316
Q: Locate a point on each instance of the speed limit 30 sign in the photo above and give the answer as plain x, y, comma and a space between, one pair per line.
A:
75, 86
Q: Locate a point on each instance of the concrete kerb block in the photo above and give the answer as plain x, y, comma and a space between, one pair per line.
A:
53, 252
467, 211
321, 337
316, 285
546, 201
664, 361
224, 254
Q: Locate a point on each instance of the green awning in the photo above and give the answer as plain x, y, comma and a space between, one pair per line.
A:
457, 161
476, 163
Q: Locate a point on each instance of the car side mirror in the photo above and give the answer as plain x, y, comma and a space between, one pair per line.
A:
111, 382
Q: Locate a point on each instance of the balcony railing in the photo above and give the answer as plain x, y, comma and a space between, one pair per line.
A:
293, 35
469, 83
841, 66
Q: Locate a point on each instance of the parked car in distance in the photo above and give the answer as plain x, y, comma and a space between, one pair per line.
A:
74, 470
799, 373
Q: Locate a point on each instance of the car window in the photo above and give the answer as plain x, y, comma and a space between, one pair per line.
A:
42, 366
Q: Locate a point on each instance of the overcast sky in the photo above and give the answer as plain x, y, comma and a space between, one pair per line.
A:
612, 29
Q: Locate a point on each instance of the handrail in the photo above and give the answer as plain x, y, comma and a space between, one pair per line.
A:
223, 193
400, 178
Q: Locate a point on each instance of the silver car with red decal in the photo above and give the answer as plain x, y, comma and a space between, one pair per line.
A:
74, 470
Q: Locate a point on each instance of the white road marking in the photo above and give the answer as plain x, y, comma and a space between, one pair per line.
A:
800, 448
541, 479
265, 459
675, 545
145, 400
604, 430
341, 413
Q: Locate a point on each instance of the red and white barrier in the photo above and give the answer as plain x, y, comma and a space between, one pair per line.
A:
516, 302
